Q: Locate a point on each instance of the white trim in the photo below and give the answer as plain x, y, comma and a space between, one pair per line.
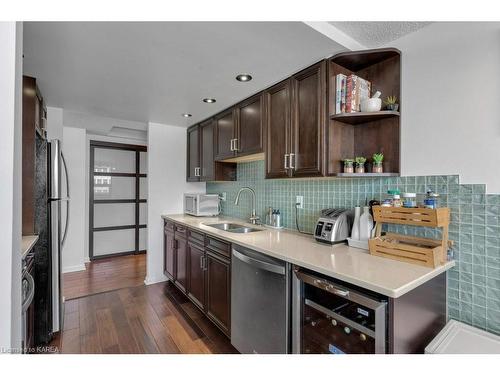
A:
336, 35
86, 260
78, 267
148, 281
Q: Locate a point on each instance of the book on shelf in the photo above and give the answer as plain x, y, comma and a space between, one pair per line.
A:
350, 91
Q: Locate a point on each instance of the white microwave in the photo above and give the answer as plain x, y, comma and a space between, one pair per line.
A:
201, 204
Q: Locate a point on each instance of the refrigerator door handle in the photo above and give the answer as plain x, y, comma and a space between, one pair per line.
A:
67, 201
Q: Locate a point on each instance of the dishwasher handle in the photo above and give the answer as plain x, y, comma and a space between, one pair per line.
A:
281, 270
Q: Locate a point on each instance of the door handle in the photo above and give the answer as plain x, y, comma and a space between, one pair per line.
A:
236, 144
201, 262
292, 158
286, 161
232, 147
259, 263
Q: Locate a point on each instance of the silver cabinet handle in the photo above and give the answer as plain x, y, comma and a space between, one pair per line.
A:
286, 161
292, 159
201, 262
232, 145
236, 144
197, 171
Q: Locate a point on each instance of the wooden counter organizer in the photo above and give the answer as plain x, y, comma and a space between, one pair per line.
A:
417, 250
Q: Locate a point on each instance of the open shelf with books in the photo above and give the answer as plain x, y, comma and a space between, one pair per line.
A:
352, 133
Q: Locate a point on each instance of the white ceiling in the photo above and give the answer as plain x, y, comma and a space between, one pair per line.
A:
155, 71
376, 34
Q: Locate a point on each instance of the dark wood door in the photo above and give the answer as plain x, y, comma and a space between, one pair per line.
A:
250, 129
308, 122
193, 154
207, 150
218, 302
277, 124
181, 262
169, 254
196, 274
224, 134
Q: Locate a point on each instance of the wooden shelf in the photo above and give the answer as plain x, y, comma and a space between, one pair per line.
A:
357, 118
361, 175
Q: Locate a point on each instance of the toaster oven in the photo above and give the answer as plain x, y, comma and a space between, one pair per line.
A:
196, 204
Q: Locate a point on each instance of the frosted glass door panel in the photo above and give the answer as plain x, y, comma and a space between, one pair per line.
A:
112, 187
143, 213
143, 163
111, 160
143, 188
114, 241
114, 214
143, 239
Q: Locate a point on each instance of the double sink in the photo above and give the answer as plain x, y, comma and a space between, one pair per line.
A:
233, 228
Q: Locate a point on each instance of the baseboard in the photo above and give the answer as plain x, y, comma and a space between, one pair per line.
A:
79, 267
86, 260
150, 281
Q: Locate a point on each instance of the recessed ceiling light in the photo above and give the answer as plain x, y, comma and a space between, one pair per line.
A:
243, 77
186, 114
209, 100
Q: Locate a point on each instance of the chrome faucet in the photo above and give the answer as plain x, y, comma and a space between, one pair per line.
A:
254, 218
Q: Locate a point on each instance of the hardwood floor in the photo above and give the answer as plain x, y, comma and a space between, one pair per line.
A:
144, 319
104, 275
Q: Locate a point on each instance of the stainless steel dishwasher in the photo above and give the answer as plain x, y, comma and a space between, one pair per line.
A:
260, 302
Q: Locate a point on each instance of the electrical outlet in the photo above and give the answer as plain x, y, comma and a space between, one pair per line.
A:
222, 196
299, 201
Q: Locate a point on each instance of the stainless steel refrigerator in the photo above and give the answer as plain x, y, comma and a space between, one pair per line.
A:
59, 219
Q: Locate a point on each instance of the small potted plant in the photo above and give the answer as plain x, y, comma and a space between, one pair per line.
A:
391, 103
377, 163
348, 165
360, 164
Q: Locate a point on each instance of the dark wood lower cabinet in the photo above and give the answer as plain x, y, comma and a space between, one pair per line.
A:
169, 254
218, 304
181, 262
196, 274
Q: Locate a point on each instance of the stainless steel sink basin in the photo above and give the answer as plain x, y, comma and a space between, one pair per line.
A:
233, 228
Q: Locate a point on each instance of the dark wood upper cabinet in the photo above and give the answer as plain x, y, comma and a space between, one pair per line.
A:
196, 274
169, 261
218, 303
250, 126
225, 124
308, 121
193, 171
207, 150
277, 124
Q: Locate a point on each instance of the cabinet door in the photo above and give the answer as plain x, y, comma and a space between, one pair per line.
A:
308, 122
169, 254
277, 124
181, 263
193, 154
224, 135
207, 150
218, 303
196, 274
250, 129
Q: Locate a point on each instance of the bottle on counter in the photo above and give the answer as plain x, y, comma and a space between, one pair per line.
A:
409, 200
277, 219
431, 200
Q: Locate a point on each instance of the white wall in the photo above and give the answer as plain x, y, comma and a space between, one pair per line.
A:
451, 102
11, 36
167, 184
74, 149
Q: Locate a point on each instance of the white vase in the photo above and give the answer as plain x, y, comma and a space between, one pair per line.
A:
365, 224
355, 224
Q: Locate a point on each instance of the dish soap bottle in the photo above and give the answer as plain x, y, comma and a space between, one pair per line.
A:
355, 224
365, 224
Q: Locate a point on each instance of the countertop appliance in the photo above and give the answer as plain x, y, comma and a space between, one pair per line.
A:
198, 204
330, 317
260, 300
334, 225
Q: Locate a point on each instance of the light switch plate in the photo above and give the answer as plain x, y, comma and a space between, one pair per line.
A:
300, 201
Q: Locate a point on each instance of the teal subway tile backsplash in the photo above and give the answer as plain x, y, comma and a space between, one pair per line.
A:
473, 285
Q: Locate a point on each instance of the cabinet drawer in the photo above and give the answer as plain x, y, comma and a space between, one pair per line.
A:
196, 237
180, 231
169, 225
221, 247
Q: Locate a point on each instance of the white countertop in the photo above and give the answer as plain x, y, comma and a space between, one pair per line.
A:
385, 276
27, 243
